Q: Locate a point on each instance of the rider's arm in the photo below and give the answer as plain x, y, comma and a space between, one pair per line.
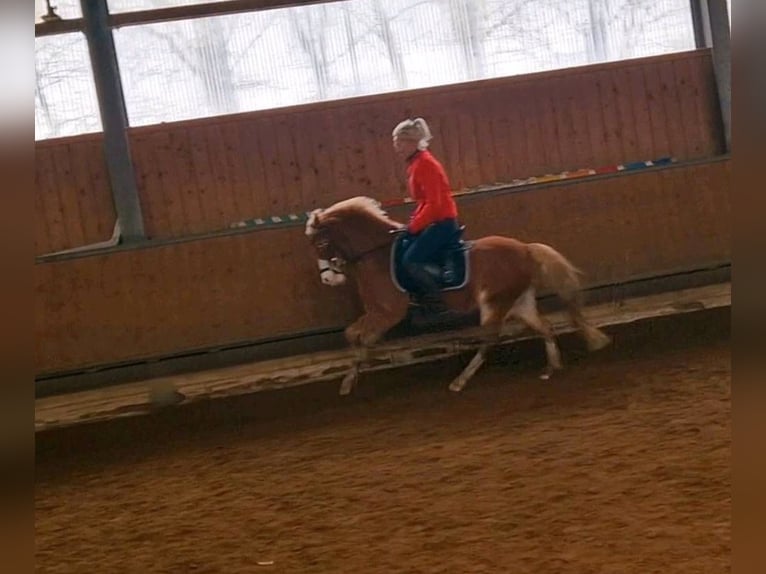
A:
430, 187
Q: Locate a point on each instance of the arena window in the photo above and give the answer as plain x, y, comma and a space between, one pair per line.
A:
244, 61
65, 94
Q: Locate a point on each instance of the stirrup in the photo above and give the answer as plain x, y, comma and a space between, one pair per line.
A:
434, 305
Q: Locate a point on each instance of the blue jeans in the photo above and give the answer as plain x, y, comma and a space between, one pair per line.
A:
425, 245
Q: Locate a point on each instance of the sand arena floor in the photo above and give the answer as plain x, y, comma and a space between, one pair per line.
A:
620, 464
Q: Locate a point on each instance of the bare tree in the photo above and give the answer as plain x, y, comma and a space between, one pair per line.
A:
617, 29
49, 120
351, 42
524, 31
206, 54
309, 25
598, 39
467, 20
384, 31
213, 68
64, 101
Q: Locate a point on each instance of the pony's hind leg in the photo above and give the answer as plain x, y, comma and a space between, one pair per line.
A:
478, 360
490, 321
594, 337
525, 309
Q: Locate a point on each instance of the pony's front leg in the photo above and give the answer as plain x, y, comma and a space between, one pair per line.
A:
351, 379
353, 335
362, 335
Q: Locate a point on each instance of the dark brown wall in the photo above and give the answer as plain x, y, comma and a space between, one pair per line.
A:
148, 302
203, 175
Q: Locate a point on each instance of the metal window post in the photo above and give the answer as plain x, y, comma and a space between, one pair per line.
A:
114, 119
712, 30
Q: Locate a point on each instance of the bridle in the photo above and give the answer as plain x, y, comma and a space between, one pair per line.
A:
323, 244
331, 270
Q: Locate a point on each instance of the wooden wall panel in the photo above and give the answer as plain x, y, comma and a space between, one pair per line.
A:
203, 175
209, 292
275, 162
620, 227
73, 201
149, 302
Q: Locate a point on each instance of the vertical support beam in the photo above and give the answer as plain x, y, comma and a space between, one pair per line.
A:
114, 119
700, 23
720, 33
711, 29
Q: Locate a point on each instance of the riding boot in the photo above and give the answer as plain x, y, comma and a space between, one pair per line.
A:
429, 295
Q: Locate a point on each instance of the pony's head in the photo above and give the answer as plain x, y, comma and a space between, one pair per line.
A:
329, 259
345, 233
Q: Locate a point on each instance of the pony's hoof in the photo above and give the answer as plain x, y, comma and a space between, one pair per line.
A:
345, 390
548, 373
348, 384
456, 386
598, 340
164, 395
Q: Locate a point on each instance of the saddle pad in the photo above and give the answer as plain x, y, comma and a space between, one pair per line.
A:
451, 268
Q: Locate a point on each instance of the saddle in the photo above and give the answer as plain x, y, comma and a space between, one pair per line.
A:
450, 267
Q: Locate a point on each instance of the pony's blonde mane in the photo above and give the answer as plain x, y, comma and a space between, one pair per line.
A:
365, 206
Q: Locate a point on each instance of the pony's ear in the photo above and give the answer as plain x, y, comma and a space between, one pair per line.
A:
312, 224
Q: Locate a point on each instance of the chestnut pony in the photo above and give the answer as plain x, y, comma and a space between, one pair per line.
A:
505, 275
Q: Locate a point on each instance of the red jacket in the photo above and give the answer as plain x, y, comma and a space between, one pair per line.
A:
429, 187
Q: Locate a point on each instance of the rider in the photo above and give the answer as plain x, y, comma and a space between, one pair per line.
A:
434, 223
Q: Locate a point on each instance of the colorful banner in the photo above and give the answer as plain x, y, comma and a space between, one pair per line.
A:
278, 220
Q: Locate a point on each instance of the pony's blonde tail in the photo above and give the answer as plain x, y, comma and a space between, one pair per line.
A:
554, 272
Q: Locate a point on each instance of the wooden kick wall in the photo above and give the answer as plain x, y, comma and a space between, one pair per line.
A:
210, 292
202, 175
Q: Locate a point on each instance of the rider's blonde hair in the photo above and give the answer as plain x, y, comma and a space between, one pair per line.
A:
415, 130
